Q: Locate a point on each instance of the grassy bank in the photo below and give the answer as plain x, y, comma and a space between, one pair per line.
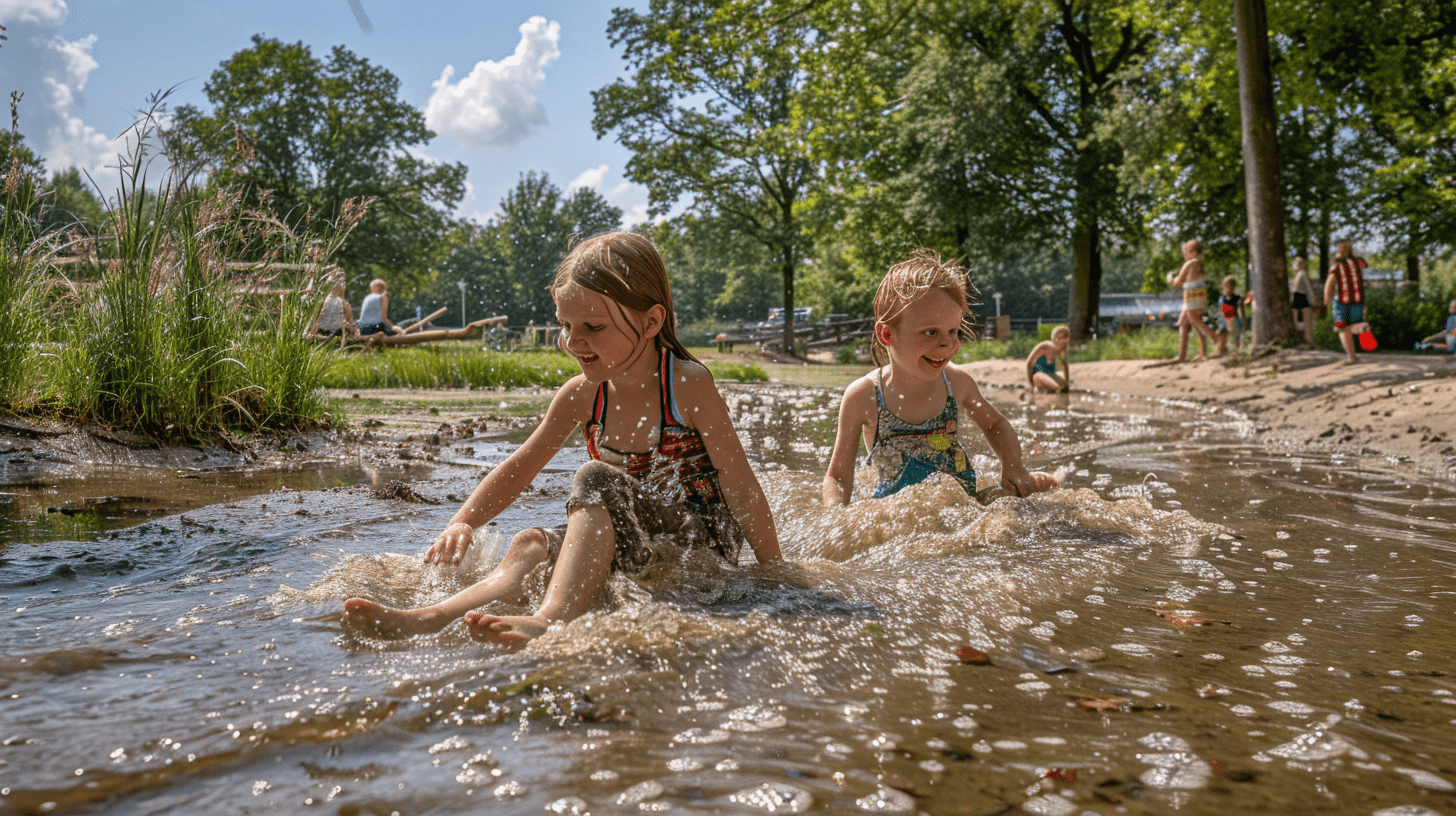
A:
465, 363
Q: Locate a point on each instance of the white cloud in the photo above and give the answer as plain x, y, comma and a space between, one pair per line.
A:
496, 104
53, 78
592, 178
44, 12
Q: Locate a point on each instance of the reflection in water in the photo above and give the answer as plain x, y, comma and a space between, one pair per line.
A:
1194, 625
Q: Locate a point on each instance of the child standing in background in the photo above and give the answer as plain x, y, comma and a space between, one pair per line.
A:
666, 461
1041, 364
908, 409
1190, 279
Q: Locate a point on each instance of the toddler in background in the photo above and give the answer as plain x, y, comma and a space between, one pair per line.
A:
1231, 315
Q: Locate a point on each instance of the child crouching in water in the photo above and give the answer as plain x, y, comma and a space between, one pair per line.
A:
665, 459
1041, 363
907, 410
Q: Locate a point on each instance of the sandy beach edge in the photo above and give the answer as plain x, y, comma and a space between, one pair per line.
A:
1398, 411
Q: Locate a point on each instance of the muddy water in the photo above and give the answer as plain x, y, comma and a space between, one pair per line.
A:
1197, 625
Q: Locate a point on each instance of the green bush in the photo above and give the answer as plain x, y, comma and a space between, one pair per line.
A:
1401, 318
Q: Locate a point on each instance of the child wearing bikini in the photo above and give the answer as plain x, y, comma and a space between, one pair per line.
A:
907, 410
1195, 300
665, 460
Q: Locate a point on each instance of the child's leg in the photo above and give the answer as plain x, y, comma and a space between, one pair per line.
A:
1183, 328
1047, 382
580, 571
506, 582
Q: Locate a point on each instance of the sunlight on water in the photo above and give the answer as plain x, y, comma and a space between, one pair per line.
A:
1193, 625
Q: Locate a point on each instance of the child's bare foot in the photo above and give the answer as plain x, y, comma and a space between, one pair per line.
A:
511, 631
1201, 356
370, 619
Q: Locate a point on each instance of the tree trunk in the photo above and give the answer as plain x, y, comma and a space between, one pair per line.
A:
1086, 281
1413, 269
1273, 317
786, 262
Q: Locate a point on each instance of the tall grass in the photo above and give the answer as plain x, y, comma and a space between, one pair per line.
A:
162, 337
23, 252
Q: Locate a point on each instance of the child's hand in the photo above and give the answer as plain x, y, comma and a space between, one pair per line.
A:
1018, 480
451, 544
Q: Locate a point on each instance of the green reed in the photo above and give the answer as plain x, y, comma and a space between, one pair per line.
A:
24, 250
161, 334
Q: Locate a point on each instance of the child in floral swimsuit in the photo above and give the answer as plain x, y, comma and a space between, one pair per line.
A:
907, 411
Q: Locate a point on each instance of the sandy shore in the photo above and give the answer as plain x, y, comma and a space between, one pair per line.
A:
1398, 408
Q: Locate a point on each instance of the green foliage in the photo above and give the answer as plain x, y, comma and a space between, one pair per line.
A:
714, 110
718, 273
303, 135
508, 263
1400, 318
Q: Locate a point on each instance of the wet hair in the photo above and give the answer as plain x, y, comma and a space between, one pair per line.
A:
627, 269
1192, 245
1230, 280
1062, 330
908, 280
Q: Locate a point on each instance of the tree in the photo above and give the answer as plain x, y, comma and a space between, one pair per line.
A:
713, 112
303, 135
508, 263
1273, 319
72, 203
717, 272
1060, 64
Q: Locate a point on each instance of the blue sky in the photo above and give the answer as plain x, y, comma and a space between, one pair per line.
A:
517, 95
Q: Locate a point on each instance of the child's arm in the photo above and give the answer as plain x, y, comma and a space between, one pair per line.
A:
999, 433
502, 485
709, 415
854, 408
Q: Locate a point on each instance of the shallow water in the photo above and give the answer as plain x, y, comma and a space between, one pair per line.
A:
1196, 625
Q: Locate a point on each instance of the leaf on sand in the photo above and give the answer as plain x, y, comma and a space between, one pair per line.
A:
1067, 775
972, 657
1101, 702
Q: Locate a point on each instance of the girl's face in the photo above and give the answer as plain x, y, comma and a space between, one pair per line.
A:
1228, 287
1062, 339
605, 337
924, 337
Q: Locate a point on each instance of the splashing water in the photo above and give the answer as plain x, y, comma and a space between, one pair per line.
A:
1193, 624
